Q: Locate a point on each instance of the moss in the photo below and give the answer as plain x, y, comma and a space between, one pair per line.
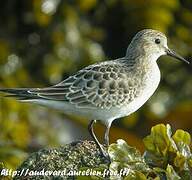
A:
66, 158
166, 156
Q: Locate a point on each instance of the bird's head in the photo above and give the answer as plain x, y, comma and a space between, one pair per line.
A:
151, 43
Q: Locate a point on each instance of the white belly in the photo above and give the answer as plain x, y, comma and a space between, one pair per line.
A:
151, 86
146, 93
108, 115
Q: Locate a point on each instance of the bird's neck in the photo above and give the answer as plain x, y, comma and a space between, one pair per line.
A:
141, 62
141, 58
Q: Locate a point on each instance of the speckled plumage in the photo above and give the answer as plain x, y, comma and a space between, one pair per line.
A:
111, 89
104, 87
109, 84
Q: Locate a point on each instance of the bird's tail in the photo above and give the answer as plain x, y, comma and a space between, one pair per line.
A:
19, 93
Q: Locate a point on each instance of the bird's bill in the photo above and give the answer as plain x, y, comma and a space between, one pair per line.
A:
175, 55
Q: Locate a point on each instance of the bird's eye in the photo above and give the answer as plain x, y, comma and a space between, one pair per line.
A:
157, 41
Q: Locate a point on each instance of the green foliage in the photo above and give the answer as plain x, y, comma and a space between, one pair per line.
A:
169, 152
124, 156
166, 156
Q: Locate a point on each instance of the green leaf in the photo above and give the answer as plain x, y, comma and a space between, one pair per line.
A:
126, 157
159, 145
171, 174
183, 136
159, 141
122, 152
167, 152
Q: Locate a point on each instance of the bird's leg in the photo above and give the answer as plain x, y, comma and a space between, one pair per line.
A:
91, 131
106, 137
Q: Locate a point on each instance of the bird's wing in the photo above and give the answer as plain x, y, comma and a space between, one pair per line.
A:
102, 85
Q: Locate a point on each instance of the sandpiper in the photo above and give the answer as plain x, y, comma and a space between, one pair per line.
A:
108, 90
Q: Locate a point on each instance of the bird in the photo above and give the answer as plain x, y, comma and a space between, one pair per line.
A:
107, 90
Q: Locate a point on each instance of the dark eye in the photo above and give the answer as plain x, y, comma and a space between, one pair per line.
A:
157, 41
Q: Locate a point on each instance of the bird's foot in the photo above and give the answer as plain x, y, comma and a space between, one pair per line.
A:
103, 151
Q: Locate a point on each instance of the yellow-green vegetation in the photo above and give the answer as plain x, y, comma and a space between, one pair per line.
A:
166, 156
44, 41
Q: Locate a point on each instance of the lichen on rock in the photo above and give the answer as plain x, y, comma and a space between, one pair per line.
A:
167, 156
68, 158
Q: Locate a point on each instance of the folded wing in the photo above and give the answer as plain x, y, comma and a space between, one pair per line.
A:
94, 86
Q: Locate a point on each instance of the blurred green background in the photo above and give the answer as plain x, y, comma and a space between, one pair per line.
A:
44, 41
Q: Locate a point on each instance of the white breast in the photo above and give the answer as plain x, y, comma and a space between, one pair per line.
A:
108, 115
152, 83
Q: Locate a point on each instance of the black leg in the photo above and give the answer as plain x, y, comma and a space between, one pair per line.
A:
106, 137
91, 131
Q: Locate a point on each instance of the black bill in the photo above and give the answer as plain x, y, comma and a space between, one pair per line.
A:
175, 55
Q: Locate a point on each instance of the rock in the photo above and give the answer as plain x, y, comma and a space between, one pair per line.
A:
65, 159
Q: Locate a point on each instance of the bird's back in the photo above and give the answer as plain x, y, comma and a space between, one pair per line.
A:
105, 90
